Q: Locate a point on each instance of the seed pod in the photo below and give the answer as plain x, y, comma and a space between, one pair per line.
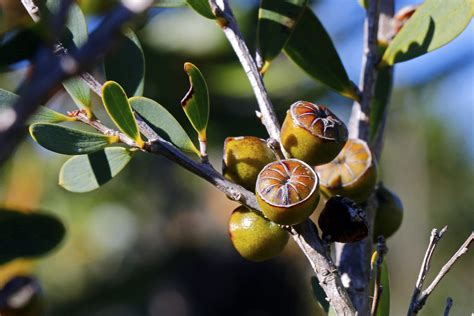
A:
243, 159
352, 174
312, 133
342, 221
389, 213
254, 237
287, 191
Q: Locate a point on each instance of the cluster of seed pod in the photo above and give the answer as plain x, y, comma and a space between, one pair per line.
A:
288, 191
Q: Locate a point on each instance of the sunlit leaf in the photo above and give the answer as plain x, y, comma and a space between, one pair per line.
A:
76, 35
196, 101
85, 173
202, 7
69, 141
126, 65
162, 122
42, 115
119, 109
169, 3
26, 235
276, 21
311, 48
434, 24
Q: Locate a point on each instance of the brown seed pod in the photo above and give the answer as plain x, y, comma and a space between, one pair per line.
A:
254, 237
389, 213
287, 191
243, 159
352, 173
342, 221
312, 133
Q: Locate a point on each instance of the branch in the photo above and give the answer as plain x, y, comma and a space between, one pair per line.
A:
449, 304
60, 68
378, 288
419, 298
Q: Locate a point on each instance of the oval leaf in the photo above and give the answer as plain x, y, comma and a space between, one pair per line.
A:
169, 3
202, 7
276, 21
196, 101
76, 35
311, 48
68, 141
384, 304
163, 123
383, 89
434, 24
126, 65
28, 235
116, 103
85, 173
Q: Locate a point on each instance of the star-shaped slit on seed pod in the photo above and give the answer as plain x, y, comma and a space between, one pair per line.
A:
243, 159
342, 221
287, 191
389, 212
353, 173
312, 133
254, 237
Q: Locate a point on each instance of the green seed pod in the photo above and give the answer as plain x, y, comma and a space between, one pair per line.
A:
312, 133
243, 159
287, 191
389, 213
254, 237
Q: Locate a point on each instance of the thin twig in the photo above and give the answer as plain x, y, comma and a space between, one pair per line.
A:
449, 304
378, 288
435, 237
442, 273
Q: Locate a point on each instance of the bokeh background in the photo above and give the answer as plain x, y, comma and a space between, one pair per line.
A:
154, 240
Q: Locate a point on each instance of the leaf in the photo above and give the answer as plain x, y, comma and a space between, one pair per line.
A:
120, 111
384, 303
126, 65
163, 123
76, 35
276, 21
26, 235
17, 46
319, 294
43, 114
380, 100
202, 7
68, 141
311, 48
169, 3
196, 101
434, 24
85, 173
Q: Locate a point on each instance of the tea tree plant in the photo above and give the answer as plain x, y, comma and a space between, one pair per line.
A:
279, 181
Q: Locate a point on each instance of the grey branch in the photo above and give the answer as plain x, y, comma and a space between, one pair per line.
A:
449, 304
419, 297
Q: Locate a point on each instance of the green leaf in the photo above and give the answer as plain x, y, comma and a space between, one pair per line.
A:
202, 7
311, 48
27, 235
163, 123
383, 88
196, 101
319, 294
68, 141
169, 3
18, 45
126, 65
276, 21
116, 103
85, 173
42, 115
434, 24
384, 304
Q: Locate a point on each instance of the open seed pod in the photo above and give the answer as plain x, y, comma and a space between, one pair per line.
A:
312, 133
243, 159
254, 237
389, 213
352, 173
342, 221
287, 191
